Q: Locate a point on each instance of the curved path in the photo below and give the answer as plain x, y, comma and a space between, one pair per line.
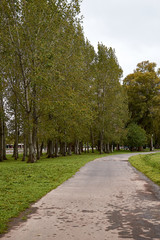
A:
106, 199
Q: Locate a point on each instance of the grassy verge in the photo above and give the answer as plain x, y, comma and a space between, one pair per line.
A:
149, 165
22, 184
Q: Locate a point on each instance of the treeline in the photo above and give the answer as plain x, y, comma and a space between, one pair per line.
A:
143, 90
55, 90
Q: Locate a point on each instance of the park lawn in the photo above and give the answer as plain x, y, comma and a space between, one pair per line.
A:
148, 165
22, 184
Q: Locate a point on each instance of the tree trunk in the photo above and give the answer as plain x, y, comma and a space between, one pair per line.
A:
140, 149
4, 146
56, 148
34, 142
151, 143
1, 127
108, 148
50, 149
80, 148
4, 142
117, 147
1, 138
112, 148
15, 154
30, 143
92, 141
87, 147
24, 149
38, 150
41, 149
32, 147
101, 143
32, 155
16, 133
105, 148
76, 147
63, 148
69, 152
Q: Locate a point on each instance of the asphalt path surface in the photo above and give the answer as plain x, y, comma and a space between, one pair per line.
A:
106, 199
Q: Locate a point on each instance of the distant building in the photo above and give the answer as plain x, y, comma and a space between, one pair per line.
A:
11, 146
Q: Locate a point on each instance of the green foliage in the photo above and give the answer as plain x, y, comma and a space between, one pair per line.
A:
149, 165
57, 87
111, 104
136, 136
142, 88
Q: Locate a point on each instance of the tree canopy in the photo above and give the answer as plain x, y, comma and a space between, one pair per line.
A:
143, 90
55, 89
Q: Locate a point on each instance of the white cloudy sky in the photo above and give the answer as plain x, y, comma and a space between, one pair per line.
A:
131, 27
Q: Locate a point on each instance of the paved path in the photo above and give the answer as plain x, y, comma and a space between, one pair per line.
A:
106, 199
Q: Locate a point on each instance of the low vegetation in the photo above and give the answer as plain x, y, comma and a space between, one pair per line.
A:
149, 165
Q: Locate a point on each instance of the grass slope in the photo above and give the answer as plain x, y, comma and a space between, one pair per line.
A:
149, 165
22, 184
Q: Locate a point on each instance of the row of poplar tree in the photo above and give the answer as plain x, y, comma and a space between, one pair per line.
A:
55, 90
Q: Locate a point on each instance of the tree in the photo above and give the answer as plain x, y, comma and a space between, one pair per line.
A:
28, 42
1, 124
136, 137
109, 97
60, 92
142, 88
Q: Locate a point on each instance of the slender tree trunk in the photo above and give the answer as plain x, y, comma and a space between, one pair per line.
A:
112, 148
16, 143
105, 148
4, 146
76, 147
31, 156
108, 148
69, 152
35, 125
34, 142
80, 148
151, 143
92, 141
87, 147
13, 151
56, 148
1, 127
1, 138
64, 149
101, 143
30, 143
24, 149
38, 150
50, 149
16, 132
117, 147
41, 149
4, 142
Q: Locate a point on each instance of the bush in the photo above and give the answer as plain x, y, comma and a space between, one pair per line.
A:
136, 137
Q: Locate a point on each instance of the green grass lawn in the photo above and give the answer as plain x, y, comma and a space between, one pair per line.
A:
149, 165
22, 184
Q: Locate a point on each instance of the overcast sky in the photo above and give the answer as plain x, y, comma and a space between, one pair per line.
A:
131, 27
